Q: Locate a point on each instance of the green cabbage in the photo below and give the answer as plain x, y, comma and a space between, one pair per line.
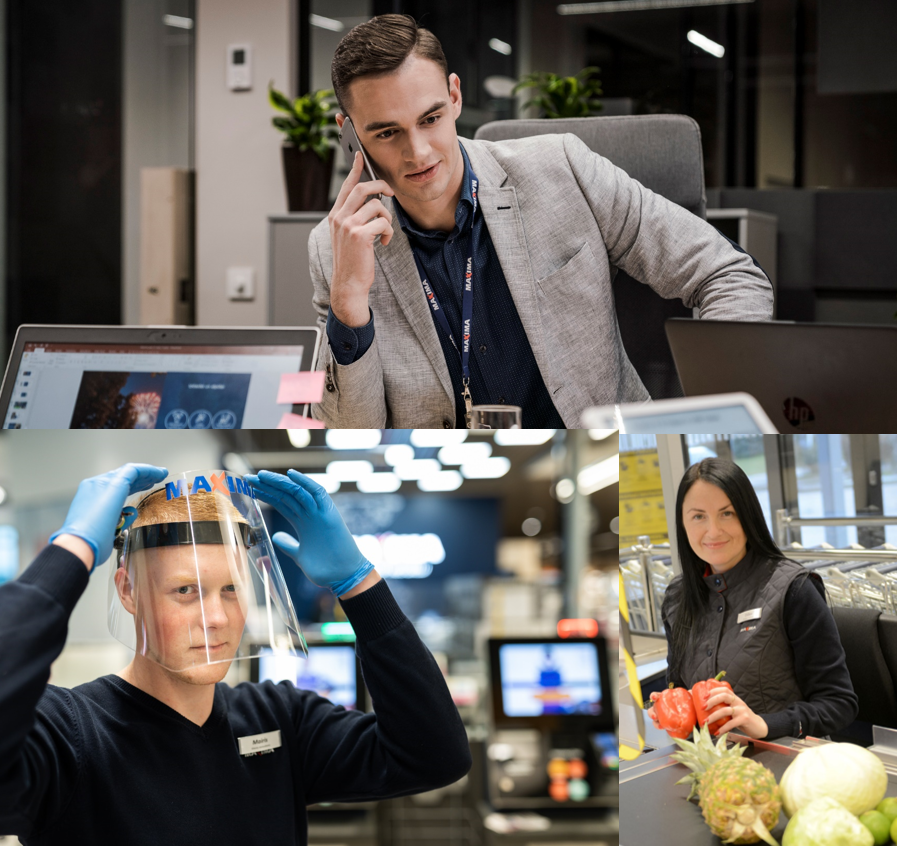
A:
850, 774
825, 822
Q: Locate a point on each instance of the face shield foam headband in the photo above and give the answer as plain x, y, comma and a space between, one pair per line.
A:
179, 534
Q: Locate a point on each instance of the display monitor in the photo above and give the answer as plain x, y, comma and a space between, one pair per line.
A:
331, 670
557, 684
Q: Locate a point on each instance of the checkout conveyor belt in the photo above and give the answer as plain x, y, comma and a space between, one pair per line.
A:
654, 809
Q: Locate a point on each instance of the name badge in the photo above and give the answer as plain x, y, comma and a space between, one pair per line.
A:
259, 744
753, 614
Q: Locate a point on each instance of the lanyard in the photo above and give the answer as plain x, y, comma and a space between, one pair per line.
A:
466, 307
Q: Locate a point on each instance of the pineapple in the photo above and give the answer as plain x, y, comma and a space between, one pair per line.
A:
738, 797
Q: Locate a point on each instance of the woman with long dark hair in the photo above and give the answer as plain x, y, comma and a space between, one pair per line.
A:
741, 606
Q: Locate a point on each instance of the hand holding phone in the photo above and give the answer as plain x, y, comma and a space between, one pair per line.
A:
348, 140
357, 221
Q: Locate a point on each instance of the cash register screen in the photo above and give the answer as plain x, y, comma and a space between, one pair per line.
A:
330, 671
552, 679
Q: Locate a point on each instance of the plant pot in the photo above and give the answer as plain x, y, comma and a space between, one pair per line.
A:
307, 179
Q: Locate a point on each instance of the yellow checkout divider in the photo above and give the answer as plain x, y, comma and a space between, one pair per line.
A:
629, 753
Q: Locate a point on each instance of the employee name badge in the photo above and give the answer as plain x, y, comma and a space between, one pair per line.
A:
753, 614
259, 744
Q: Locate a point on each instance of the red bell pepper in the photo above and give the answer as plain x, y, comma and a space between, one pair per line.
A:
675, 711
700, 693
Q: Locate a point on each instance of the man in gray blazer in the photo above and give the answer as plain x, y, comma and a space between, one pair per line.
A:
497, 289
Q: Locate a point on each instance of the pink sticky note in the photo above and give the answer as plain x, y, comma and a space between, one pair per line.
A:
300, 388
297, 421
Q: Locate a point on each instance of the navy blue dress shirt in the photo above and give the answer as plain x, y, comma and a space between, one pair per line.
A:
503, 368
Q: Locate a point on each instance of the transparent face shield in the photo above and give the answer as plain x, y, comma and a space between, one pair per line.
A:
197, 581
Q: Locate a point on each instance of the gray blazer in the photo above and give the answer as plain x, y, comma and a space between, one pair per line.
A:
572, 218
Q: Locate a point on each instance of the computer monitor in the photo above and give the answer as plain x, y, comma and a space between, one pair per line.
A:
331, 670
716, 414
144, 377
554, 684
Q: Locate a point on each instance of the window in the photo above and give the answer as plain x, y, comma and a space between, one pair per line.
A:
746, 451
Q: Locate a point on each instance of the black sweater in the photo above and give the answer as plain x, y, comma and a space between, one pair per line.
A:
105, 763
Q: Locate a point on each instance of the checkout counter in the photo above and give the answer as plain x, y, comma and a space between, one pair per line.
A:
551, 753
543, 743
654, 807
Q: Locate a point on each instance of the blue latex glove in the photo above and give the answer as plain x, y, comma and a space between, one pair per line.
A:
96, 510
326, 550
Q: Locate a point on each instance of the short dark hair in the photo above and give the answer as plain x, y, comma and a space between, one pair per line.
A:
693, 594
379, 46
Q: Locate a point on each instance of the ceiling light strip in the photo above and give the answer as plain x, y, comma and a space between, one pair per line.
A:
637, 5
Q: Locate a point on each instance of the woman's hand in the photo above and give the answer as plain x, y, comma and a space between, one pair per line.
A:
740, 715
651, 713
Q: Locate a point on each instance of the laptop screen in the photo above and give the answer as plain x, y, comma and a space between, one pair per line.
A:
137, 386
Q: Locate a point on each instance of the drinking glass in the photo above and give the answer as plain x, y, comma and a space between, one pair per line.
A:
495, 417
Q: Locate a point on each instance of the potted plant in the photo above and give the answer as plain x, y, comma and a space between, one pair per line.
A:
310, 127
564, 96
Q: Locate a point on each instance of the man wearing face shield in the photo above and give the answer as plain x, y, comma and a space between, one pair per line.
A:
162, 753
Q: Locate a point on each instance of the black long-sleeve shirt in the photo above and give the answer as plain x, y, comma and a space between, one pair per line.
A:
105, 763
829, 703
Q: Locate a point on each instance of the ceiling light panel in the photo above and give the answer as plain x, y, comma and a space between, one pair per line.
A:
465, 453
437, 437
447, 480
353, 438
349, 471
522, 437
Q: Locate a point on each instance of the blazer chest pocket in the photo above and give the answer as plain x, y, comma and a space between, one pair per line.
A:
578, 271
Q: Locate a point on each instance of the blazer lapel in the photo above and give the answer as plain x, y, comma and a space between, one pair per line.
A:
505, 227
397, 264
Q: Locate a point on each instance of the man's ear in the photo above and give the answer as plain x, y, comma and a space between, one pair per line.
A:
340, 119
455, 93
125, 590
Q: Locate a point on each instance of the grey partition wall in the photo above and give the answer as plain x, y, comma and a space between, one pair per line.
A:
835, 250
290, 287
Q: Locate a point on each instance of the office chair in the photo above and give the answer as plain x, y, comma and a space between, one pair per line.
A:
662, 152
869, 639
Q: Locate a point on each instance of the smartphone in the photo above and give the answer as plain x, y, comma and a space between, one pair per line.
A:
348, 140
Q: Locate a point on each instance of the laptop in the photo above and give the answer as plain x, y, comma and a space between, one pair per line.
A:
151, 377
809, 377
722, 414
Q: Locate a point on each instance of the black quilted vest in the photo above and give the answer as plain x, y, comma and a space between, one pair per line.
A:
755, 653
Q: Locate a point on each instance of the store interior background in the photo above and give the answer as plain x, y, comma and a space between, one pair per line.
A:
526, 521
798, 119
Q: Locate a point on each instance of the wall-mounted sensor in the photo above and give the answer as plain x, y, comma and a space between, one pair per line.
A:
239, 67
241, 283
